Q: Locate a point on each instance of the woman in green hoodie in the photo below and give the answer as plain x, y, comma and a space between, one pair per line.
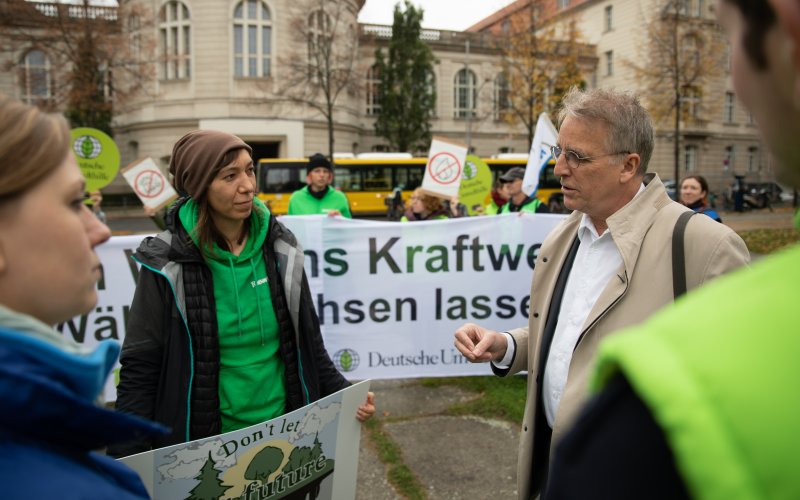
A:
222, 332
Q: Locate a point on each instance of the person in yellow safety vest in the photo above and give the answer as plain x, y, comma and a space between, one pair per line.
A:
518, 200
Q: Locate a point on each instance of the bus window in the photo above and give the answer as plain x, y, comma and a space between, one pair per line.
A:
347, 178
548, 179
377, 179
282, 178
409, 177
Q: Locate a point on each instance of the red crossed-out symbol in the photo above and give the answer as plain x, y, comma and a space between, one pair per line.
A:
444, 168
149, 183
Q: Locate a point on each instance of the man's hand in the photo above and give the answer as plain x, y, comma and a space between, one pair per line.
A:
333, 212
479, 344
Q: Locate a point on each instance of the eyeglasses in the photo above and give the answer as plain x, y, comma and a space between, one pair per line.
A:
573, 160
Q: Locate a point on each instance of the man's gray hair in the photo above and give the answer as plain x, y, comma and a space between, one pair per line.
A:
629, 125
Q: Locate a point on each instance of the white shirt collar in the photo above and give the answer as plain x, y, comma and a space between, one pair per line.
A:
587, 224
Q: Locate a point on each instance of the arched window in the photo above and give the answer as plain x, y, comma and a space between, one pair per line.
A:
319, 35
431, 82
35, 77
501, 97
252, 39
466, 93
373, 91
175, 38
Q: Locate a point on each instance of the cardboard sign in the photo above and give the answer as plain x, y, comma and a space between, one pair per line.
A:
149, 183
312, 451
444, 168
476, 184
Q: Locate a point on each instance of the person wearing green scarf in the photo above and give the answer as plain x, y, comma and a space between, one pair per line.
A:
222, 333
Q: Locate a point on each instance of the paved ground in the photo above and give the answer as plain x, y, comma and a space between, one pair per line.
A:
452, 457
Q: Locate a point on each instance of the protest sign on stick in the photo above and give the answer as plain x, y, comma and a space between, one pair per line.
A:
149, 183
444, 168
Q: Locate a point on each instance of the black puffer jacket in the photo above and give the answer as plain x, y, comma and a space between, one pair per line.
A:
170, 355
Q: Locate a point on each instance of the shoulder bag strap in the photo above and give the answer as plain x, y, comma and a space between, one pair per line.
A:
678, 255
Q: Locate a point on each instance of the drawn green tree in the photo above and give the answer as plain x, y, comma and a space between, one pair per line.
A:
316, 451
299, 456
264, 464
210, 486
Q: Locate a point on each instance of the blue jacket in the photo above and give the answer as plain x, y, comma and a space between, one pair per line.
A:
50, 423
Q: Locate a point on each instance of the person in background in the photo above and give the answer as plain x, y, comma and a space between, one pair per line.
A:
518, 201
424, 207
51, 387
499, 196
694, 194
95, 199
318, 197
604, 267
222, 332
701, 401
455, 208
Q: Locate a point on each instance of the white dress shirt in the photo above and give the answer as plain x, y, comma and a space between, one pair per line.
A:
597, 261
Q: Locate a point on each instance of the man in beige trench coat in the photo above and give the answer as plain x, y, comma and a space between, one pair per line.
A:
605, 267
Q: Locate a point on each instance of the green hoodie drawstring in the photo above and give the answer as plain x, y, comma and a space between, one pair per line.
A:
258, 301
236, 295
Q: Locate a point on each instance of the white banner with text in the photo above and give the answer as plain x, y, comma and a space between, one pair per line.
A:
389, 295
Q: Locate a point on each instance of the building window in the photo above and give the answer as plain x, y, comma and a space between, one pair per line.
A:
690, 102
609, 17
683, 7
175, 36
502, 101
690, 158
752, 159
35, 78
730, 158
373, 91
431, 82
701, 6
563, 4
466, 93
729, 107
610, 63
252, 39
319, 27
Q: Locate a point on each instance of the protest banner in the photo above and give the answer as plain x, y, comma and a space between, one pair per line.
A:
97, 155
444, 168
149, 183
544, 137
311, 452
389, 295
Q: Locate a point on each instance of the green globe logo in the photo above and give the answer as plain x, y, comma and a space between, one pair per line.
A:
87, 147
346, 360
469, 170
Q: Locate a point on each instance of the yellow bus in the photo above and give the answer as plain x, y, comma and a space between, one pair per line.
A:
368, 182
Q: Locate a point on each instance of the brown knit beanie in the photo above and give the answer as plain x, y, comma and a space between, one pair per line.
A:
197, 158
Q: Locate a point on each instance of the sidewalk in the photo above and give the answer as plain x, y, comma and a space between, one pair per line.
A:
453, 457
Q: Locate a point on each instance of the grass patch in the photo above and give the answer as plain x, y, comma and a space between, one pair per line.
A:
766, 241
389, 453
502, 398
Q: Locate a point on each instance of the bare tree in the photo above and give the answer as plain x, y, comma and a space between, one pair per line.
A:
541, 61
99, 56
682, 57
328, 68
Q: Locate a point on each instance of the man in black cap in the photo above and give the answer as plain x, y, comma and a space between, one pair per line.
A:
318, 197
519, 201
